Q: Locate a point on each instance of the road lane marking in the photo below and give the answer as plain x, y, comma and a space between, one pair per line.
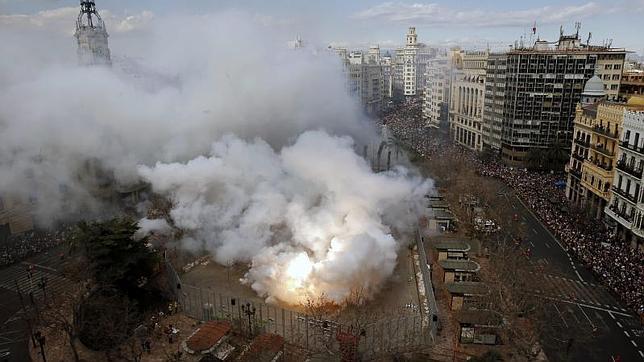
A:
535, 231
586, 315
619, 324
560, 315
634, 344
589, 306
548, 246
572, 313
641, 353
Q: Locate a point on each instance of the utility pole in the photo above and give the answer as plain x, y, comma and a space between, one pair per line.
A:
249, 310
41, 341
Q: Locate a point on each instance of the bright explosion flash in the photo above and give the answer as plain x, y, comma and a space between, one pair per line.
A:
299, 270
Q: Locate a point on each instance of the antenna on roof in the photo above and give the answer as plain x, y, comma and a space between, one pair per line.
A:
590, 35
577, 27
610, 43
560, 30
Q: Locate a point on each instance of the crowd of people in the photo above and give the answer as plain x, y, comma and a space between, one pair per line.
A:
615, 263
21, 246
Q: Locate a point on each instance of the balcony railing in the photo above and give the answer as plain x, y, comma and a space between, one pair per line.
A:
578, 156
603, 166
630, 169
624, 194
634, 148
621, 213
581, 142
601, 149
575, 172
605, 131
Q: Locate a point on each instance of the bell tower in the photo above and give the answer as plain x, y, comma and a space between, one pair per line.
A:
91, 36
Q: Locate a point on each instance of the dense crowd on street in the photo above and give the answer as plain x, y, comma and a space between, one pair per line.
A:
21, 246
619, 266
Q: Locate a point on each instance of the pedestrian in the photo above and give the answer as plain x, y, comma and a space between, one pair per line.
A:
147, 345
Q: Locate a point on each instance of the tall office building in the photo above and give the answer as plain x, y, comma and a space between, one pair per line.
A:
466, 101
436, 95
411, 61
494, 101
365, 77
388, 75
91, 36
542, 85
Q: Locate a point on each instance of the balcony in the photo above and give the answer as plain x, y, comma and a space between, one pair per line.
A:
605, 131
601, 149
578, 157
581, 142
597, 169
575, 172
634, 148
630, 169
619, 215
625, 194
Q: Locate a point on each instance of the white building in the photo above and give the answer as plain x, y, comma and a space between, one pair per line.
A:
466, 101
388, 75
411, 61
436, 95
91, 36
365, 77
625, 211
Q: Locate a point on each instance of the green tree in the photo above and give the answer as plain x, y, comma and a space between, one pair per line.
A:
115, 256
535, 159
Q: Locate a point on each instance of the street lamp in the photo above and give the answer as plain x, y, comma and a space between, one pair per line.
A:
41, 342
42, 284
249, 310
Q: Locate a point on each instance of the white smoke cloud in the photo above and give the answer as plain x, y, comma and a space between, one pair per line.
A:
229, 75
312, 218
148, 226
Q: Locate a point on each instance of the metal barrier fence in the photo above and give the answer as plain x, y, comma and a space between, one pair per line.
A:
372, 338
429, 288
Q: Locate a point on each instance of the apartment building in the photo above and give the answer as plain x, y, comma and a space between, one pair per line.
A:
494, 101
411, 62
541, 87
597, 128
365, 77
466, 101
625, 211
436, 95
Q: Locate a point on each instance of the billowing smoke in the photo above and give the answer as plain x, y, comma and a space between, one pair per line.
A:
281, 186
312, 218
175, 87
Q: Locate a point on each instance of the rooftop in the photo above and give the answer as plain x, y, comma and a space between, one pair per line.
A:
594, 87
441, 214
264, 347
467, 288
460, 265
207, 336
479, 317
455, 245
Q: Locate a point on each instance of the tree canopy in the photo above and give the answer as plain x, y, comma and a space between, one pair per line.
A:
115, 256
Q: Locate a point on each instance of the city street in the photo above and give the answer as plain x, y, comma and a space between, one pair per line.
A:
577, 298
13, 331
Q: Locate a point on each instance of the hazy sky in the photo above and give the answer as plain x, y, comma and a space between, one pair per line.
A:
359, 23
